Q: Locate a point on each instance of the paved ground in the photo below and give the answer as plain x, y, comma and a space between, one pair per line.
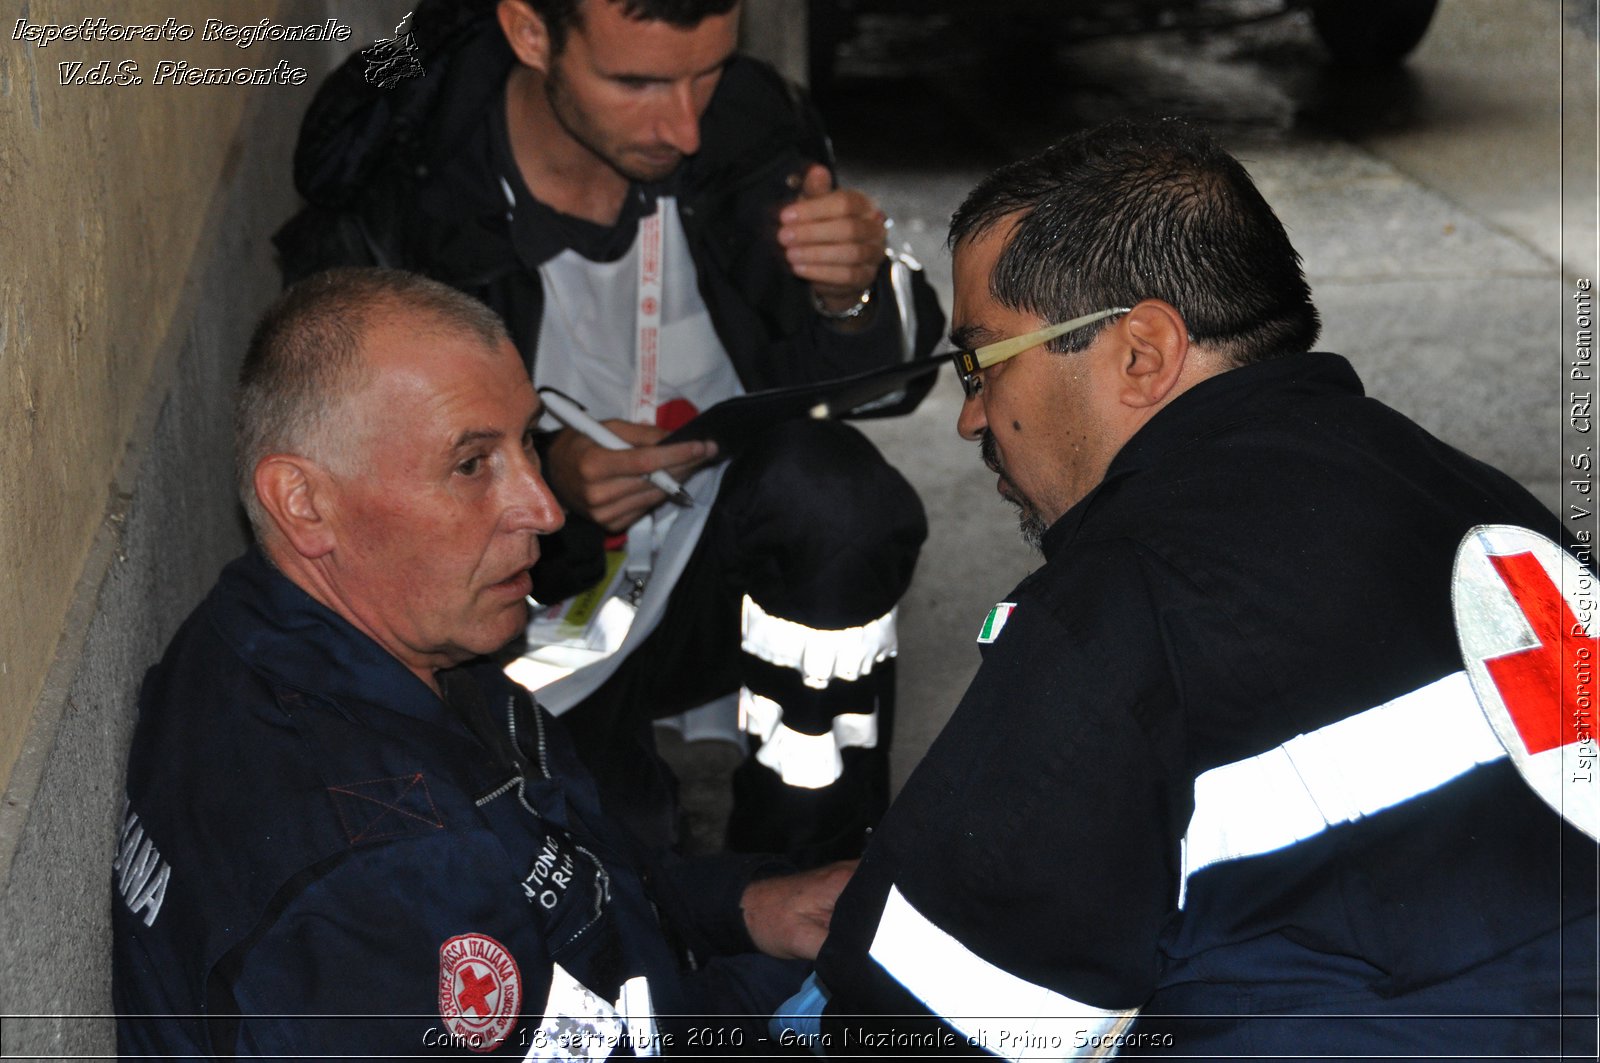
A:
1443, 212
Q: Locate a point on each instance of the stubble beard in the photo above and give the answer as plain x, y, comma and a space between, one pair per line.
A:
1030, 522
572, 120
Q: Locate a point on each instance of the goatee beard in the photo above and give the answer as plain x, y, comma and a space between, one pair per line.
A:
1031, 526
1030, 522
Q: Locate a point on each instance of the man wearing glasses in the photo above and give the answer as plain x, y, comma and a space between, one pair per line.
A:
1240, 548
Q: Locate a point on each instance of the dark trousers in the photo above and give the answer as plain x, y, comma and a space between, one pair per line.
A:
819, 530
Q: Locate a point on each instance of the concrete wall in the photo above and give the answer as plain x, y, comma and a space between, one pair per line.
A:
135, 229
135, 232
775, 30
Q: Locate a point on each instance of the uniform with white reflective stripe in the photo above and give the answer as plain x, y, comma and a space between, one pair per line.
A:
1337, 774
1219, 762
824, 659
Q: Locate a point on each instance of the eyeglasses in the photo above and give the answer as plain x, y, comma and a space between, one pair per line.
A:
971, 364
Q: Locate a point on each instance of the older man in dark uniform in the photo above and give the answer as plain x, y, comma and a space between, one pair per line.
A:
348, 834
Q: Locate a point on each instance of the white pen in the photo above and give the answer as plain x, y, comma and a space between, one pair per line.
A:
575, 417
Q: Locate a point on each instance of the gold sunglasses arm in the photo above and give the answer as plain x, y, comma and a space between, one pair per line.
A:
999, 352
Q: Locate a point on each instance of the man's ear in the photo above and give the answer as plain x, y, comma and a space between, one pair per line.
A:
1157, 348
527, 34
296, 494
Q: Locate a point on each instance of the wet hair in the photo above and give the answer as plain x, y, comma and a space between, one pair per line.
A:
1135, 210
560, 16
304, 359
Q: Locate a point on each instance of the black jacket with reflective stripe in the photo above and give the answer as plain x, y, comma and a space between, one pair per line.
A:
1269, 554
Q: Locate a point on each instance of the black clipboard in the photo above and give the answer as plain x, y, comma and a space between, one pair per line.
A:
734, 422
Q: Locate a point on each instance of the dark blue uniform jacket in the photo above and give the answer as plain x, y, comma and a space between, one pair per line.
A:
311, 831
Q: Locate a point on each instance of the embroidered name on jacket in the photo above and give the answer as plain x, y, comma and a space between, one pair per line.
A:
141, 873
552, 873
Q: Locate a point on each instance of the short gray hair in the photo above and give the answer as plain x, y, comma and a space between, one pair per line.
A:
305, 358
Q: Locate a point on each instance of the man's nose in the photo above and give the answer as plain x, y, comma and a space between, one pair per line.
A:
680, 125
972, 420
533, 507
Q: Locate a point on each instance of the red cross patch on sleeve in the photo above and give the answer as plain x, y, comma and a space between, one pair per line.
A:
1525, 617
480, 991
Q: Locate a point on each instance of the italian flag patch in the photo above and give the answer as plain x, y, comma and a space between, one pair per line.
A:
995, 621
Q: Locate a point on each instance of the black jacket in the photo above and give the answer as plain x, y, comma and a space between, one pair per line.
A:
407, 177
1271, 554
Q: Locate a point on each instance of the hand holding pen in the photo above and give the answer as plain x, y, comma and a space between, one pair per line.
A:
612, 472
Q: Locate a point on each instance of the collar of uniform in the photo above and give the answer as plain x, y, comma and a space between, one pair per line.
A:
283, 632
1209, 407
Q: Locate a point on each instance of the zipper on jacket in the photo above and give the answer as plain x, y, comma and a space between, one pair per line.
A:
602, 876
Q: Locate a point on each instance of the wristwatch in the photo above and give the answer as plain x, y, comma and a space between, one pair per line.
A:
849, 313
